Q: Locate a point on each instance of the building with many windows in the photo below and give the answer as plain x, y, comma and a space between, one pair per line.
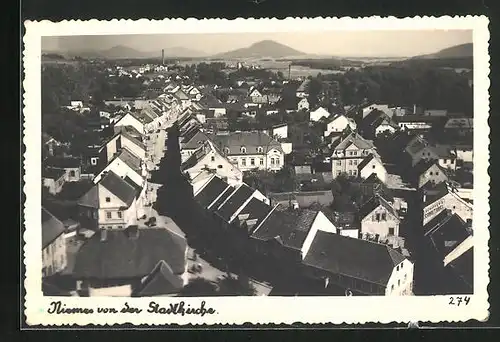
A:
348, 152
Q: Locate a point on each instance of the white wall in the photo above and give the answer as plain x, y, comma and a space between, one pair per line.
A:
374, 166
322, 223
405, 287
132, 147
451, 202
281, 132
370, 225
129, 216
122, 170
352, 233
232, 172
114, 291
129, 120
384, 128
465, 155
287, 147
111, 148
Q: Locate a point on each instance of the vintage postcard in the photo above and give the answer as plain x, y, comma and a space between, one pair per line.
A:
315, 170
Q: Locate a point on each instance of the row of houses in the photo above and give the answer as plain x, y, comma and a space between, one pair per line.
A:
304, 238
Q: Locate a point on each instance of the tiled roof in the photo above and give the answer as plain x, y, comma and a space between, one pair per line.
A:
290, 228
130, 160
356, 139
118, 187
250, 140
91, 198
121, 256
162, 281
211, 191
255, 210
446, 231
373, 203
433, 192
52, 173
51, 228
235, 201
62, 162
229, 190
352, 257
133, 139
423, 165
365, 161
194, 140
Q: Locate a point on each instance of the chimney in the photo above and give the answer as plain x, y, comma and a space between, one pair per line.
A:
289, 71
414, 109
104, 234
162, 57
132, 232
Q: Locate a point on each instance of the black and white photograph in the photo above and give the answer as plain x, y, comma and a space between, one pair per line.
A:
318, 163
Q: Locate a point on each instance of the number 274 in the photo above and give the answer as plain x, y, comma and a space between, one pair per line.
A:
459, 300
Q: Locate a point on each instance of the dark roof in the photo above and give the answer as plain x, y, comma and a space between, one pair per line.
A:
446, 232
250, 140
161, 281
256, 210
229, 190
194, 139
463, 266
307, 198
235, 201
433, 192
211, 191
351, 257
130, 160
121, 256
62, 162
51, 228
52, 173
365, 161
133, 139
90, 198
290, 228
373, 203
119, 187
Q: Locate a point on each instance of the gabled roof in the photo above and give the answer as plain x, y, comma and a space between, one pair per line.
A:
162, 281
423, 165
446, 231
90, 198
211, 191
365, 161
51, 228
356, 139
118, 187
235, 201
255, 210
133, 139
290, 228
130, 160
250, 140
194, 139
357, 258
52, 173
373, 203
121, 256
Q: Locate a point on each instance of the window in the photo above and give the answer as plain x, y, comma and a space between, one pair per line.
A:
120, 227
72, 173
384, 216
399, 282
120, 215
354, 172
404, 279
402, 268
243, 149
355, 162
277, 161
243, 162
392, 287
397, 268
260, 149
354, 153
108, 199
212, 158
373, 166
391, 231
339, 172
377, 217
272, 161
431, 173
108, 214
445, 161
339, 162
261, 161
350, 153
252, 161
226, 150
219, 166
437, 173
93, 161
350, 162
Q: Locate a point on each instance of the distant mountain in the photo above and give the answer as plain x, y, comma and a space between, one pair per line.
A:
265, 48
457, 51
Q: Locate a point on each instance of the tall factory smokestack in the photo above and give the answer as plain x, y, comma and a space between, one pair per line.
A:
289, 71
162, 57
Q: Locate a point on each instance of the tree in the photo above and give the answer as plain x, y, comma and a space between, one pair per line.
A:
236, 286
199, 287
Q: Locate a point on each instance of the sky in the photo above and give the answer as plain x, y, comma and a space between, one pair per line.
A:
394, 43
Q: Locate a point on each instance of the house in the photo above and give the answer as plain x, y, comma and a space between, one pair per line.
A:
287, 235
76, 104
376, 123
53, 179
319, 113
193, 92
303, 104
303, 90
49, 143
212, 192
377, 217
459, 125
133, 144
348, 152
191, 142
428, 171
130, 119
257, 96
418, 148
339, 123
373, 269
416, 122
126, 165
207, 157
132, 262
250, 150
372, 164
379, 107
54, 257
210, 102
70, 166
184, 98
443, 196
280, 131
109, 204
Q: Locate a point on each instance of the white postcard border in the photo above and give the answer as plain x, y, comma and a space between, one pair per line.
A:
256, 310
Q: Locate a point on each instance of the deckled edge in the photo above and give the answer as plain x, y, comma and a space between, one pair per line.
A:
29, 69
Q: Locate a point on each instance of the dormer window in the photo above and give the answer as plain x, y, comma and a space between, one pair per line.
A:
260, 149
226, 150
243, 149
